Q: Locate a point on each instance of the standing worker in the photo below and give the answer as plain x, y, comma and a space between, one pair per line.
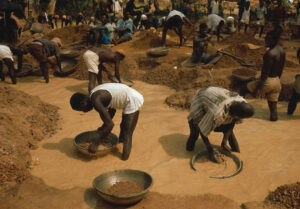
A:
269, 82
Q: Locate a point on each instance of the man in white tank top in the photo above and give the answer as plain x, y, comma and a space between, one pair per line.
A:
105, 99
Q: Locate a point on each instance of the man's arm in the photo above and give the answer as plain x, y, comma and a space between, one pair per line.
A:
282, 65
105, 116
265, 71
188, 21
117, 73
92, 81
57, 56
227, 133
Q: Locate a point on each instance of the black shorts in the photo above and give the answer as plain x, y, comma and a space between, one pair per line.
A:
175, 21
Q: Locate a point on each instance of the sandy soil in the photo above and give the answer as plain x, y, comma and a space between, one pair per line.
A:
159, 148
62, 178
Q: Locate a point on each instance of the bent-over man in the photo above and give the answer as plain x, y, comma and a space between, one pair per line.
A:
215, 24
216, 109
41, 49
94, 59
6, 57
175, 21
269, 82
105, 99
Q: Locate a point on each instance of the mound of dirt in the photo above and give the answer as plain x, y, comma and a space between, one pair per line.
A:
150, 39
68, 34
239, 38
246, 53
24, 121
286, 195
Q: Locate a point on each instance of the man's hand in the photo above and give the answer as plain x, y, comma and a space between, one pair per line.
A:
225, 148
93, 148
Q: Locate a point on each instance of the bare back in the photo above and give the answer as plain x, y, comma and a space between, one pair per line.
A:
105, 55
274, 60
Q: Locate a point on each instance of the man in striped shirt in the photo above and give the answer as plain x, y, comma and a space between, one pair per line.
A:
216, 109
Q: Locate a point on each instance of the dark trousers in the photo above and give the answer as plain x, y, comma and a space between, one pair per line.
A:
293, 102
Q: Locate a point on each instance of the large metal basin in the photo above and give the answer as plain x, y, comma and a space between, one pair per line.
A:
90, 136
106, 180
66, 69
69, 53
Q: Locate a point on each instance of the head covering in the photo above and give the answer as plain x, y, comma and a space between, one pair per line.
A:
57, 41
230, 19
121, 51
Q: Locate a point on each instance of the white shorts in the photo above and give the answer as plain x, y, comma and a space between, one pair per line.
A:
91, 60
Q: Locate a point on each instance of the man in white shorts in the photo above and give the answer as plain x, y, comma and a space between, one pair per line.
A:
94, 59
105, 99
6, 57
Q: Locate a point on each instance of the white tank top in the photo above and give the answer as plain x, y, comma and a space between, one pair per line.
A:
123, 97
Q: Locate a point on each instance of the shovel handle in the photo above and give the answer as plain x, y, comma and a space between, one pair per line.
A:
231, 55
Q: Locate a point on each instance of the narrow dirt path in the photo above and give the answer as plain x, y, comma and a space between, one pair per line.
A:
270, 151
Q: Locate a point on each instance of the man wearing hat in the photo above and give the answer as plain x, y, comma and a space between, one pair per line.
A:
41, 49
94, 59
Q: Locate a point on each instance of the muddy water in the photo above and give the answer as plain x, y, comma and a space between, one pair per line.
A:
269, 150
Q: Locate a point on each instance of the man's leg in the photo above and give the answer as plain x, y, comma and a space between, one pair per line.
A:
293, 102
273, 111
261, 31
233, 143
99, 75
211, 153
125, 37
246, 27
2, 76
256, 29
10, 65
127, 125
44, 69
194, 134
164, 35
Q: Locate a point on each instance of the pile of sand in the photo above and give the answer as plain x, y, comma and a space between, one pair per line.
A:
24, 120
286, 195
238, 38
68, 34
150, 39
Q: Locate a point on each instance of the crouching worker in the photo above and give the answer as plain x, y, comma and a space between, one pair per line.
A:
41, 49
6, 57
94, 59
105, 99
216, 109
200, 47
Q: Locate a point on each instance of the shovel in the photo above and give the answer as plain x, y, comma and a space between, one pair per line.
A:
240, 60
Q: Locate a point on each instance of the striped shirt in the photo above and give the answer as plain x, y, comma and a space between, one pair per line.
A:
210, 108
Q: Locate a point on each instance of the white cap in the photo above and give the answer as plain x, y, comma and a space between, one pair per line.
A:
144, 17
230, 19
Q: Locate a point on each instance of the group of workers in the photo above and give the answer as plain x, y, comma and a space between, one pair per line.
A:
212, 108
